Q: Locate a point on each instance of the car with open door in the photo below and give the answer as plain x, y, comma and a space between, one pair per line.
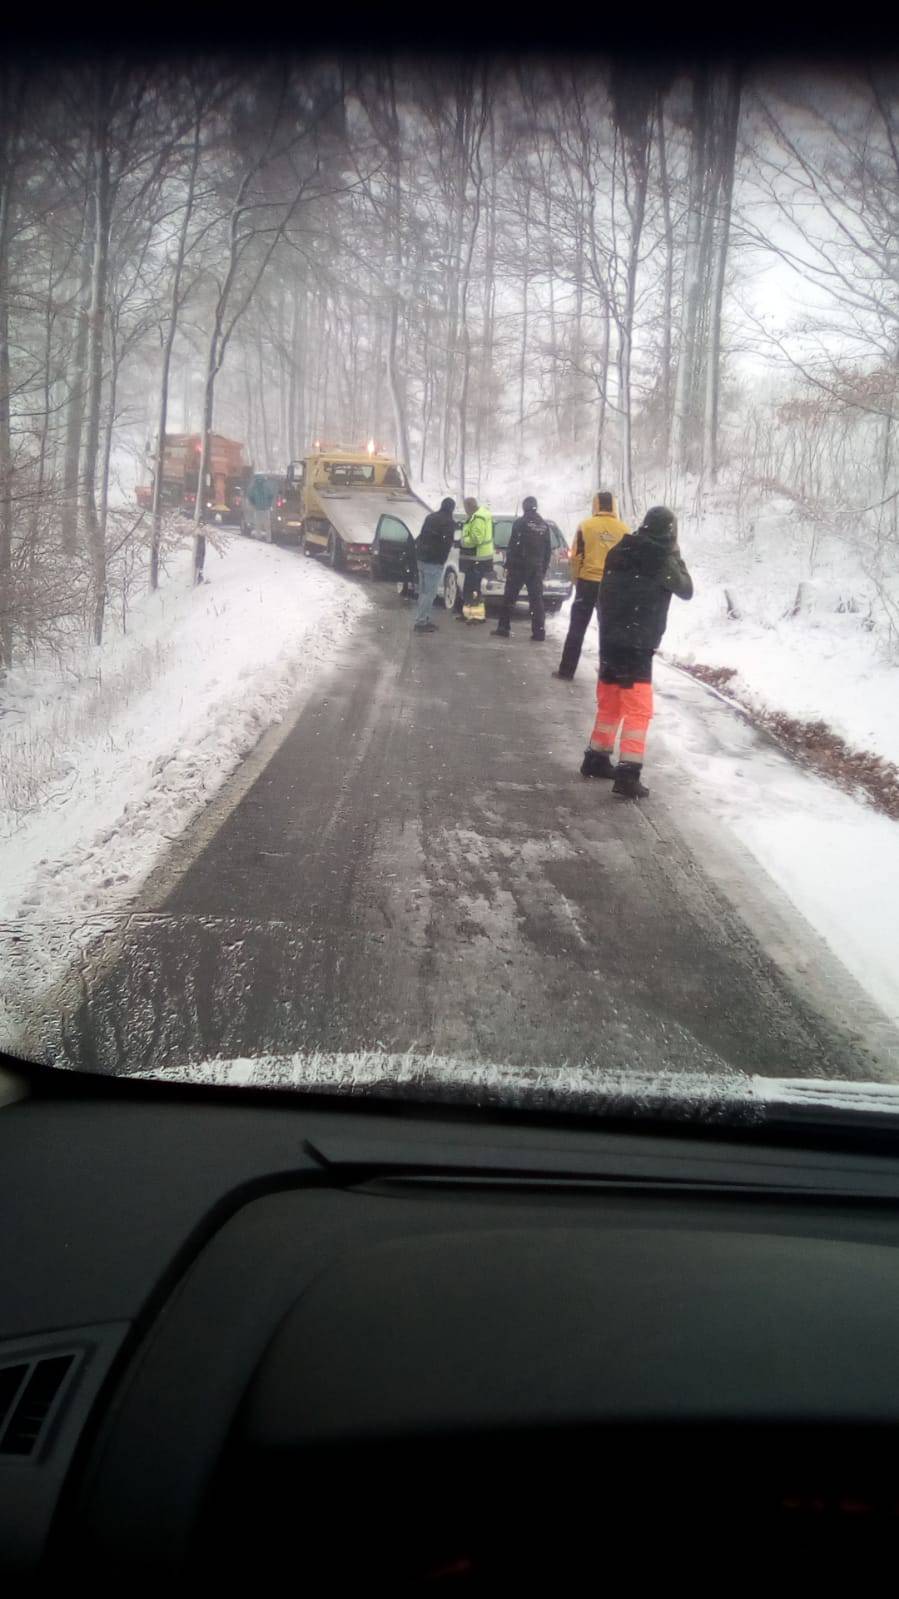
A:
393, 552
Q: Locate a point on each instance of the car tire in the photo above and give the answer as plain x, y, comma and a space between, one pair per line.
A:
335, 552
452, 593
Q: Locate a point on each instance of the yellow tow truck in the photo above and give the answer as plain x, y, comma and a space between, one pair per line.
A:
349, 496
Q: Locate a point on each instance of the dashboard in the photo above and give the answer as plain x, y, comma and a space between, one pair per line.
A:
247, 1337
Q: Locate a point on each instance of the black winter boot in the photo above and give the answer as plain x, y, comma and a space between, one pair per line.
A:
627, 781
596, 763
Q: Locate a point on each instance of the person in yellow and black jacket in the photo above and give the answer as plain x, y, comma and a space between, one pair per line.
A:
475, 559
596, 536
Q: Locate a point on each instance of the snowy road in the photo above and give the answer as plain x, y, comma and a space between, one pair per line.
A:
415, 864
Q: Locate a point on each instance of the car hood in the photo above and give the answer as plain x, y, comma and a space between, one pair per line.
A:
726, 1097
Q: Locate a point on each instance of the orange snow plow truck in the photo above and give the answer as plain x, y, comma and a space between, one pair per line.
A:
227, 468
348, 497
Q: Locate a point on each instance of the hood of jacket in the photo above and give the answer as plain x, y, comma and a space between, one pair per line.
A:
598, 512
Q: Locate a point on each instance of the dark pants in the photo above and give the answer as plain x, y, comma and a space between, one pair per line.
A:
475, 573
583, 606
515, 582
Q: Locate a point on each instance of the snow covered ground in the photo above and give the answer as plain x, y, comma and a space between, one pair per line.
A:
827, 663
106, 761
834, 856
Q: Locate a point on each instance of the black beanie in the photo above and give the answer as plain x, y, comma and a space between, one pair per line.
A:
447, 505
530, 504
660, 524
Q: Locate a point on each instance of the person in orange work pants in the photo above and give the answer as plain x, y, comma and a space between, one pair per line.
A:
628, 707
640, 575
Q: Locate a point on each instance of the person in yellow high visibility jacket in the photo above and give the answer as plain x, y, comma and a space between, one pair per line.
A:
475, 558
596, 536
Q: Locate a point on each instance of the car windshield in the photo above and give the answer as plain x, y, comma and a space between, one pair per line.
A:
285, 803
340, 472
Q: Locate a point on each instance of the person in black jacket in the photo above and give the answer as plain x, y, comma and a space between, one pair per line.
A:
432, 547
640, 575
527, 562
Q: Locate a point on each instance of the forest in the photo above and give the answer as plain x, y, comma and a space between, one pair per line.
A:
475, 263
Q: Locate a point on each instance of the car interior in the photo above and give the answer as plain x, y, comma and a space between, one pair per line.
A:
250, 1334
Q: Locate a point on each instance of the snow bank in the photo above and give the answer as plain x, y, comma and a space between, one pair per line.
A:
834, 856
105, 761
824, 664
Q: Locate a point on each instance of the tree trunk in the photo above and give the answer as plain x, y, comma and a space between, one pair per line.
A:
636, 152
401, 432
75, 402
7, 157
283, 430
602, 393
668, 293
114, 367
484, 416
295, 443
300, 436
686, 360
175, 302
713, 358
199, 505
525, 280
96, 328
578, 340
263, 414
553, 331
47, 393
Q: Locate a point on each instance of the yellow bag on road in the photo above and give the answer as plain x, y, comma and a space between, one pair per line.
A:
476, 611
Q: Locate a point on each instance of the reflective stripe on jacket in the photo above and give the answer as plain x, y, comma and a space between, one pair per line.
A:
477, 535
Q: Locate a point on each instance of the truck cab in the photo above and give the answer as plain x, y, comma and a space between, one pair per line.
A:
346, 495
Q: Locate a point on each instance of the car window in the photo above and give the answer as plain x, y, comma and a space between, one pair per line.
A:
392, 531
502, 531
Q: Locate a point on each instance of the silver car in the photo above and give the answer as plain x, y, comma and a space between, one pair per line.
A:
557, 584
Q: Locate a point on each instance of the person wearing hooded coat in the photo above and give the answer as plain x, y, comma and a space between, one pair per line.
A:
641, 574
432, 547
595, 537
527, 562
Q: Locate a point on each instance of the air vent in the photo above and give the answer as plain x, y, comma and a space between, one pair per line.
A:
28, 1394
